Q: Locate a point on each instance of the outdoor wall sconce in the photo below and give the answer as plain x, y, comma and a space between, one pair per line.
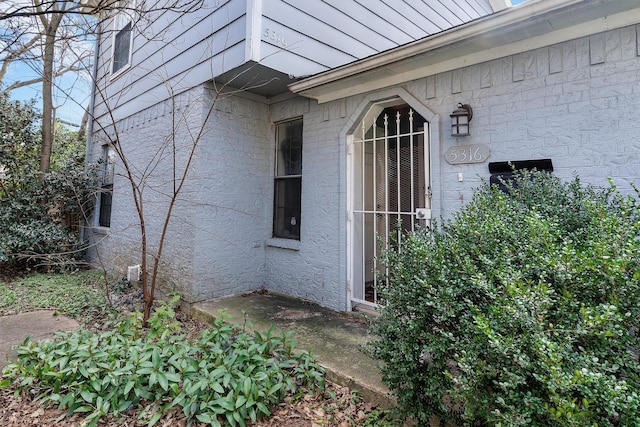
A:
460, 119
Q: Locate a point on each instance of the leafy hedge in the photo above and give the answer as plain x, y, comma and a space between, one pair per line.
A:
32, 219
40, 213
523, 309
227, 376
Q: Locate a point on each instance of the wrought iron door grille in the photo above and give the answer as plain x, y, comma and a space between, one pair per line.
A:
390, 184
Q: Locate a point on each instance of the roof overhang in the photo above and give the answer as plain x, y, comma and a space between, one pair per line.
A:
529, 26
256, 78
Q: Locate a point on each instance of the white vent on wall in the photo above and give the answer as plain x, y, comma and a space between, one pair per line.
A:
133, 273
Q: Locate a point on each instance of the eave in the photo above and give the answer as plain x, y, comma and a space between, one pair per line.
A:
529, 26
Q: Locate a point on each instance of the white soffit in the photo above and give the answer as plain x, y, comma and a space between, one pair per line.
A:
530, 26
498, 5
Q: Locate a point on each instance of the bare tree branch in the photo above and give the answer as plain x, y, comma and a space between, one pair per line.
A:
15, 53
96, 7
58, 73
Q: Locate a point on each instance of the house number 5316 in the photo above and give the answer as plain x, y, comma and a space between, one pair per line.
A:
274, 37
474, 153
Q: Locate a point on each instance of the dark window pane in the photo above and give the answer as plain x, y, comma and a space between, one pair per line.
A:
121, 47
105, 206
108, 165
286, 207
289, 156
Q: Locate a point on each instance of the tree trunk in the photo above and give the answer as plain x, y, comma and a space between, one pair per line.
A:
82, 132
47, 101
50, 32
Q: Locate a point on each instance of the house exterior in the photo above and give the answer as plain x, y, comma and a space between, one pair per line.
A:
295, 178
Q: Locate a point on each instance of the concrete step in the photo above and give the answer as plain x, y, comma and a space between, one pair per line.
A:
334, 338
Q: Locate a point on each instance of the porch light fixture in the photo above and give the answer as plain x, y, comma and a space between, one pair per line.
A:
460, 119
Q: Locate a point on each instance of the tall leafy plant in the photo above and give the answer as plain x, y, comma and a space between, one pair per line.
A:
522, 309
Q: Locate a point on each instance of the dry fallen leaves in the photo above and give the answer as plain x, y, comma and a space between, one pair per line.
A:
316, 410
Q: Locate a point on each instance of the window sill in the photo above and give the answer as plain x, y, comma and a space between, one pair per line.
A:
291, 244
98, 229
115, 74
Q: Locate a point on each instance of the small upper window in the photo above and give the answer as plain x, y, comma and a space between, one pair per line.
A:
121, 42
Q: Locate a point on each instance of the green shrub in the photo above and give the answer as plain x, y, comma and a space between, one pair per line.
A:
228, 376
523, 309
40, 214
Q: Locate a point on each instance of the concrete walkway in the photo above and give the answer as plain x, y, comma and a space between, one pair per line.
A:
39, 325
334, 338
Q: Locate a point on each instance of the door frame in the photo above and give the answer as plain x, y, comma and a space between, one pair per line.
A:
369, 108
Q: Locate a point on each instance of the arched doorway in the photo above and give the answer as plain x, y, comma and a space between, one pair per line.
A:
390, 189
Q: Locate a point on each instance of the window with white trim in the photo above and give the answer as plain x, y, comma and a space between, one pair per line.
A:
288, 180
121, 55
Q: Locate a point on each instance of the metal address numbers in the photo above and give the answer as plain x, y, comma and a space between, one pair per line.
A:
474, 153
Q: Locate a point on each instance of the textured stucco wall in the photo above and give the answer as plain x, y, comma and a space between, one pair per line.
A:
148, 140
233, 214
314, 268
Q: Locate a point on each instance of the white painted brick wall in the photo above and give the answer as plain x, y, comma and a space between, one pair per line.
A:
146, 142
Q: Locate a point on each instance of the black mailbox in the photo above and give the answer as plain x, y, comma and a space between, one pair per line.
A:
502, 172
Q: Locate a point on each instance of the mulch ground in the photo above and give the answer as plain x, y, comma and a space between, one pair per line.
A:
308, 411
